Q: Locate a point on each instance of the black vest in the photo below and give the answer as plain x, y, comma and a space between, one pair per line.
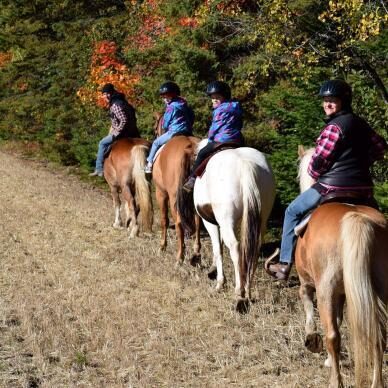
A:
351, 168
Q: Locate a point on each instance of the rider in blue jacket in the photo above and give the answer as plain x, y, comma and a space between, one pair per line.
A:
226, 125
178, 118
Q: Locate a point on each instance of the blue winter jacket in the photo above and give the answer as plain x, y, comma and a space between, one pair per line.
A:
227, 123
178, 116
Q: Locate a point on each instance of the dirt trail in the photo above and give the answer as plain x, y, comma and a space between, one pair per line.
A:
83, 306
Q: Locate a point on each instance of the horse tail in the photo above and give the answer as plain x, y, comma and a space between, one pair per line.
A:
142, 186
184, 200
250, 222
367, 313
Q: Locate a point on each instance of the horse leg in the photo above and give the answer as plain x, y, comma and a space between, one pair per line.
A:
133, 227
378, 381
328, 310
229, 237
313, 341
196, 258
116, 205
217, 255
162, 200
179, 234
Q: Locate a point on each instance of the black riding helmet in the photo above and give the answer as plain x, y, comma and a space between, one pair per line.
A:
337, 88
108, 88
169, 88
219, 87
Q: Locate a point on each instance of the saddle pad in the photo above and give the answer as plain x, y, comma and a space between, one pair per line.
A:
301, 227
158, 152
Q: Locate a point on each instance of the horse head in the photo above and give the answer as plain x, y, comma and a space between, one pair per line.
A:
305, 180
158, 130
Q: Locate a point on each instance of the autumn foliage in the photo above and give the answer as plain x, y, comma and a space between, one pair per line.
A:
5, 58
106, 68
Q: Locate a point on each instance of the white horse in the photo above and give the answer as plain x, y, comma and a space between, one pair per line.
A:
236, 191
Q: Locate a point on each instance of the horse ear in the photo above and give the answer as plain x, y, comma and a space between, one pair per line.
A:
301, 150
157, 115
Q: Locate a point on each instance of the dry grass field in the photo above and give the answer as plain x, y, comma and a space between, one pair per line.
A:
83, 306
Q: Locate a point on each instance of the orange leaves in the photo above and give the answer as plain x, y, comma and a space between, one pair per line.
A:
106, 68
5, 58
188, 22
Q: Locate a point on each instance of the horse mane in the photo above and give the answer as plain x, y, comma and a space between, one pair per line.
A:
158, 123
305, 180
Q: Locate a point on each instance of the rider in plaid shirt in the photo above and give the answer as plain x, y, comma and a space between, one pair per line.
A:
329, 141
123, 124
345, 151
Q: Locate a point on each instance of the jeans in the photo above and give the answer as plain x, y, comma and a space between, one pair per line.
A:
295, 212
102, 147
162, 139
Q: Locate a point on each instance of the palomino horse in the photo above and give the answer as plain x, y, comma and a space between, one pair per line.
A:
236, 191
169, 172
343, 254
124, 172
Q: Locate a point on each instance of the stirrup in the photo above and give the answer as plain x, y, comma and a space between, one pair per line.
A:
268, 262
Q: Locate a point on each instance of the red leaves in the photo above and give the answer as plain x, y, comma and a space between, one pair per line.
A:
188, 22
106, 68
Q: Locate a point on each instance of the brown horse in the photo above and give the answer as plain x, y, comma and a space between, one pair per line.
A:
124, 172
343, 255
169, 173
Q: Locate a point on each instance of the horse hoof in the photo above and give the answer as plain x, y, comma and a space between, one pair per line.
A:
219, 286
178, 264
117, 226
242, 305
212, 273
314, 343
328, 362
195, 260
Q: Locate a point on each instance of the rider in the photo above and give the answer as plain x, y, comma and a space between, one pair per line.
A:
225, 127
345, 150
178, 118
123, 123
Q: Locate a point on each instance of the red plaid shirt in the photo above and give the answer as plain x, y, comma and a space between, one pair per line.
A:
119, 119
329, 141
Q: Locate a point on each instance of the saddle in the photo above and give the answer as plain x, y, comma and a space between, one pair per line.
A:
341, 196
183, 133
220, 147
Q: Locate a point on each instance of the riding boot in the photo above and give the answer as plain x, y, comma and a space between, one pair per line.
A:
148, 168
281, 270
97, 173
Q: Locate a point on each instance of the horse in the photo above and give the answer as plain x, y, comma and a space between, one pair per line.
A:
343, 255
236, 191
124, 173
170, 171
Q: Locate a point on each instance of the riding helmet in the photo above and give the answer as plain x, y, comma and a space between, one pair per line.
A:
337, 88
108, 88
219, 87
169, 88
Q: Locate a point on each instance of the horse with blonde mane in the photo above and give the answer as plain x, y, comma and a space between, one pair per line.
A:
343, 255
170, 170
124, 172
236, 192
